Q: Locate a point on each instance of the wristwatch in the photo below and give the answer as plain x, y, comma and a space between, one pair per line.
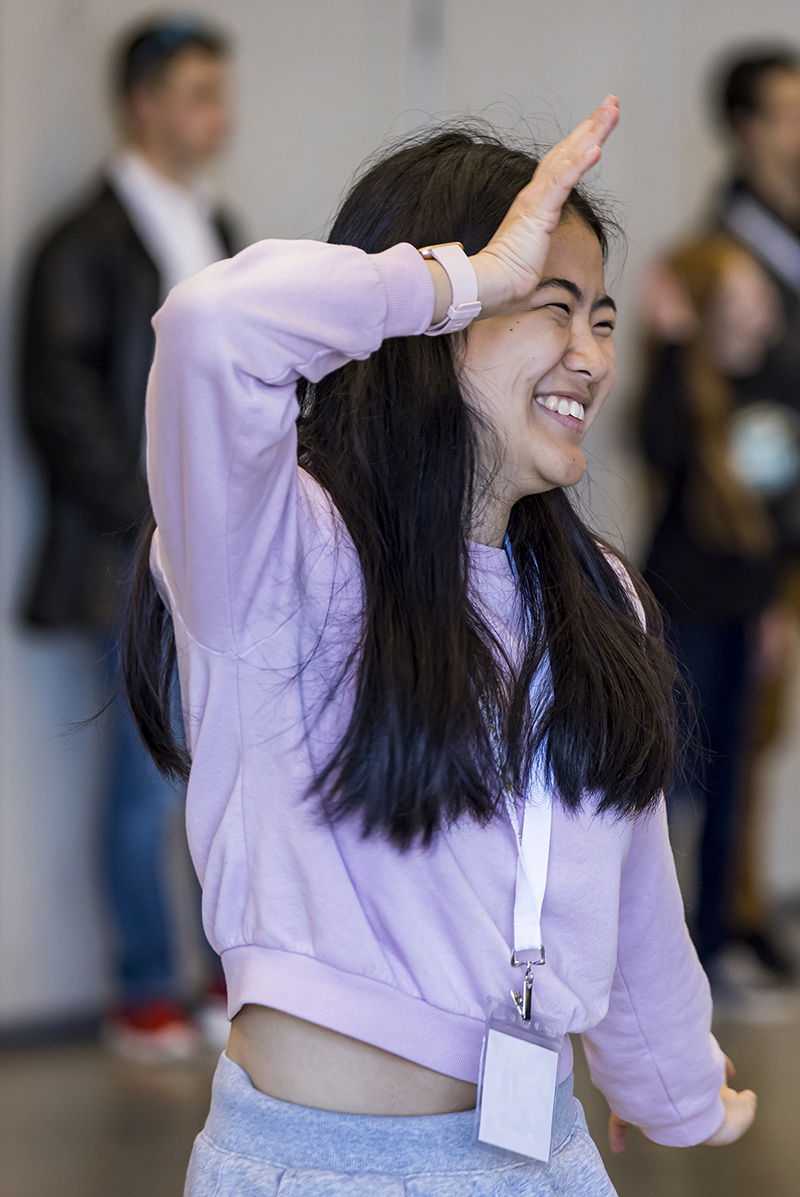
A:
465, 305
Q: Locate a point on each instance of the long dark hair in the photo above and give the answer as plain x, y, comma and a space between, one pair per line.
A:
394, 441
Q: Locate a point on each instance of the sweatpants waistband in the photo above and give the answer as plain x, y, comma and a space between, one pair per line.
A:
244, 1121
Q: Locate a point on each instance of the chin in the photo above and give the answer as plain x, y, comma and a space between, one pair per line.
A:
567, 473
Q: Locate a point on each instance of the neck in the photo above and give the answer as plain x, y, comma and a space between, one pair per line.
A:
164, 162
490, 523
779, 190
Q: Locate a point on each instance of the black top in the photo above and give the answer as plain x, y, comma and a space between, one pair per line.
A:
86, 352
685, 575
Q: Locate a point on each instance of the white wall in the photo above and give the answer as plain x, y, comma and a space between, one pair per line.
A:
321, 84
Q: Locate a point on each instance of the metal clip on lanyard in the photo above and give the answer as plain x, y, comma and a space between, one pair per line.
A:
533, 856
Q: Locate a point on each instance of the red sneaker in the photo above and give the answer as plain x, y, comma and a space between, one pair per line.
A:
155, 1032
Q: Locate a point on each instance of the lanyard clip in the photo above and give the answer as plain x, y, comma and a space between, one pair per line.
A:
516, 963
523, 1001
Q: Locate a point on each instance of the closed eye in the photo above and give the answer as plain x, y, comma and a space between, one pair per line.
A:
564, 307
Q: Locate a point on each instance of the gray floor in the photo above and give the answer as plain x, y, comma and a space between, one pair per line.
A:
76, 1123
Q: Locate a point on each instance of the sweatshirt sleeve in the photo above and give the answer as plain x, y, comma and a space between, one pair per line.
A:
653, 1055
231, 344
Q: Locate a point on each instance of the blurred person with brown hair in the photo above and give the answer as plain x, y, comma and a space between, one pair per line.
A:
722, 428
96, 281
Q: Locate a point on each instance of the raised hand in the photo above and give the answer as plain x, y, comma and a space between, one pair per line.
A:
511, 265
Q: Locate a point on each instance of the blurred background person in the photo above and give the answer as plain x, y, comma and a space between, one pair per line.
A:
721, 422
713, 561
758, 102
95, 283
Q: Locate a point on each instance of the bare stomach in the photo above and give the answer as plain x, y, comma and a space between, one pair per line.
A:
297, 1061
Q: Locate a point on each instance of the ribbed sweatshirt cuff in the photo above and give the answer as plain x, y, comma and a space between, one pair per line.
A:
690, 1132
409, 290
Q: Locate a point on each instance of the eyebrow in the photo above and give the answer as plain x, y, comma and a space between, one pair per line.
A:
566, 284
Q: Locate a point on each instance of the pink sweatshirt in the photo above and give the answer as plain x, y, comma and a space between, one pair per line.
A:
399, 950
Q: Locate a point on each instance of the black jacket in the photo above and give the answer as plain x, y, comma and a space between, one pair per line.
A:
686, 576
87, 348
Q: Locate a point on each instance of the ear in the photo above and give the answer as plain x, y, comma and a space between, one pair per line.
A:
137, 105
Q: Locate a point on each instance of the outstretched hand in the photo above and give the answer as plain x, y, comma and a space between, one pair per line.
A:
740, 1110
511, 265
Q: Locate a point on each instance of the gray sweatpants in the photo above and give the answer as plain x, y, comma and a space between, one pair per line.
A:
255, 1146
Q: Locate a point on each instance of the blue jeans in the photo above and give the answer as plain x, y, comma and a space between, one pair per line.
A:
138, 810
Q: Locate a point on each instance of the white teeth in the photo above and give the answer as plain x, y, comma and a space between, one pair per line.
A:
564, 407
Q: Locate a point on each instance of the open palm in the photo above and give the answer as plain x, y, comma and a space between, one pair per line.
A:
510, 267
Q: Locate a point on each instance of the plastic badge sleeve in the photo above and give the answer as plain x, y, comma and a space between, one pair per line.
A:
518, 1082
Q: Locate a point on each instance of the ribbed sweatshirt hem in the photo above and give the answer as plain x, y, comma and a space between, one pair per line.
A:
367, 1010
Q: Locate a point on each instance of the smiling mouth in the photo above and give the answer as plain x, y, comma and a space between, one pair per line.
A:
563, 407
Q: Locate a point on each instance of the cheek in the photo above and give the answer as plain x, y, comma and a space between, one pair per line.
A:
508, 346
609, 369
611, 375
539, 360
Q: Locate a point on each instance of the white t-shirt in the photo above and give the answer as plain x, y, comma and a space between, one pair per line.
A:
174, 221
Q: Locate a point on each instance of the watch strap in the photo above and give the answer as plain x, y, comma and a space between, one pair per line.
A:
464, 305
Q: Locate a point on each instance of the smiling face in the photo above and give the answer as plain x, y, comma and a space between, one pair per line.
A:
539, 379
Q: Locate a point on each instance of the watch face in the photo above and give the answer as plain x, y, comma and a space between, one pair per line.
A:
764, 446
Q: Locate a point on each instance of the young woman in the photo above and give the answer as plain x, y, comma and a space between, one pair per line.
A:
385, 614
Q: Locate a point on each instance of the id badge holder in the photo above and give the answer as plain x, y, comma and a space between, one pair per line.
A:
518, 1082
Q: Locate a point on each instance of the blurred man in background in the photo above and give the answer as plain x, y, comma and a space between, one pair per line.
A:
95, 284
721, 426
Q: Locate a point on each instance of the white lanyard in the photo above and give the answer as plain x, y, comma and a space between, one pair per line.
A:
519, 1064
533, 856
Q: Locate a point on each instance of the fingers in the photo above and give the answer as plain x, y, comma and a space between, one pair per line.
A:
595, 129
510, 266
607, 117
566, 163
730, 1071
740, 1110
617, 1131
587, 138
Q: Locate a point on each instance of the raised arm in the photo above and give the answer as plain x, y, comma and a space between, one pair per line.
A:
231, 344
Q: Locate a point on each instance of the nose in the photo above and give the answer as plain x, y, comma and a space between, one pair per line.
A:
584, 354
